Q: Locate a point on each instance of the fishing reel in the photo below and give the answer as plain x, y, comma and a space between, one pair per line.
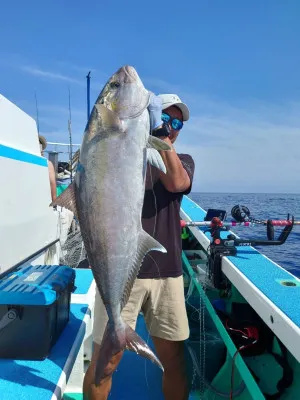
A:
242, 214
220, 247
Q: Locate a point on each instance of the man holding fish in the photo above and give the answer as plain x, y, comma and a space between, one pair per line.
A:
158, 290
126, 195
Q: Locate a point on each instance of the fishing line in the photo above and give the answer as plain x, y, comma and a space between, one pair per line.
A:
149, 255
158, 298
155, 201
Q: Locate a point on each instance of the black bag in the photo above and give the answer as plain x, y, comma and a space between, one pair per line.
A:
244, 322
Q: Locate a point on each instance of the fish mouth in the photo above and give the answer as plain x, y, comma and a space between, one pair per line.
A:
127, 74
125, 94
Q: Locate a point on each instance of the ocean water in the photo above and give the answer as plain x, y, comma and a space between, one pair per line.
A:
262, 206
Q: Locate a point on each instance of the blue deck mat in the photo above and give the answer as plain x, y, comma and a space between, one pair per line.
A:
137, 378
84, 278
38, 379
262, 272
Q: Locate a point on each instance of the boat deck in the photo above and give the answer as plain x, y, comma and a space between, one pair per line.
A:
257, 278
135, 378
47, 379
261, 283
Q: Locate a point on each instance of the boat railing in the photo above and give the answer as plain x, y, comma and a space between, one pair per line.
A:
66, 147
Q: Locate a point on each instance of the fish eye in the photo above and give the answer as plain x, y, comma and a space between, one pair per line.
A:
115, 84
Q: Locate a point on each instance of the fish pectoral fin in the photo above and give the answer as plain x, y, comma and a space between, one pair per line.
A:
67, 199
109, 118
154, 158
113, 342
158, 144
146, 244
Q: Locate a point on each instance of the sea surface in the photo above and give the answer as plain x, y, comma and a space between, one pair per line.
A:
262, 206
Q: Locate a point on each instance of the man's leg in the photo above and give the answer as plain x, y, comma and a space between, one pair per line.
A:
101, 392
167, 323
171, 355
129, 315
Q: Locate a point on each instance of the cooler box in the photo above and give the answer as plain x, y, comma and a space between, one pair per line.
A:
34, 310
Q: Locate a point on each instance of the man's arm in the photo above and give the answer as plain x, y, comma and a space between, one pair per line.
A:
52, 179
176, 179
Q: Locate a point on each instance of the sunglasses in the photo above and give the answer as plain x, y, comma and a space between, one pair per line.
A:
176, 124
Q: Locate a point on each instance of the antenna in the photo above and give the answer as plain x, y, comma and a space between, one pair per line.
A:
37, 113
70, 135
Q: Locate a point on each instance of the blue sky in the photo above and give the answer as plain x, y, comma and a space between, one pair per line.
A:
235, 63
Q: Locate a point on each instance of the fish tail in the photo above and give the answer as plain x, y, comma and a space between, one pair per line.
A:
135, 343
115, 341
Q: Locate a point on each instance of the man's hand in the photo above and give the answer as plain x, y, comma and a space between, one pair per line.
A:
155, 110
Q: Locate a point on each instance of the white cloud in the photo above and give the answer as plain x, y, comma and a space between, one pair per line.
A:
251, 148
50, 75
160, 85
54, 109
75, 67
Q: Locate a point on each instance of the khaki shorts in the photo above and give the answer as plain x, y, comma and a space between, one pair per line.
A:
161, 301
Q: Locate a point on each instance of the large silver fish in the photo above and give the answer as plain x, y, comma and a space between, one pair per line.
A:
107, 197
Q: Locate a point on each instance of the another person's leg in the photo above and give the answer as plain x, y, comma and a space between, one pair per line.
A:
167, 323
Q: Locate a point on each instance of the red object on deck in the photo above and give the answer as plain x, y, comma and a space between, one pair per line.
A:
216, 222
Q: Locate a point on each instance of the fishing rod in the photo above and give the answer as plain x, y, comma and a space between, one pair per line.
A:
88, 79
242, 214
214, 220
216, 226
227, 246
70, 137
242, 217
274, 222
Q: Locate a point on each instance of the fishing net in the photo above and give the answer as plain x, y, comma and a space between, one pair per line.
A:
205, 347
197, 348
72, 251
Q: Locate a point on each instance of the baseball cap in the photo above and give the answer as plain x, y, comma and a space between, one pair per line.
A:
169, 100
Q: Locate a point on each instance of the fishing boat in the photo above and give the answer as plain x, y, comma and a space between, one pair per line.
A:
243, 308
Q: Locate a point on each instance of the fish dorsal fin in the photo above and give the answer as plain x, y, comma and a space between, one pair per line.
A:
158, 144
146, 244
67, 199
154, 158
75, 160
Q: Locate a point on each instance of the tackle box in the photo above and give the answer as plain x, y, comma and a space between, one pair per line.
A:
34, 310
